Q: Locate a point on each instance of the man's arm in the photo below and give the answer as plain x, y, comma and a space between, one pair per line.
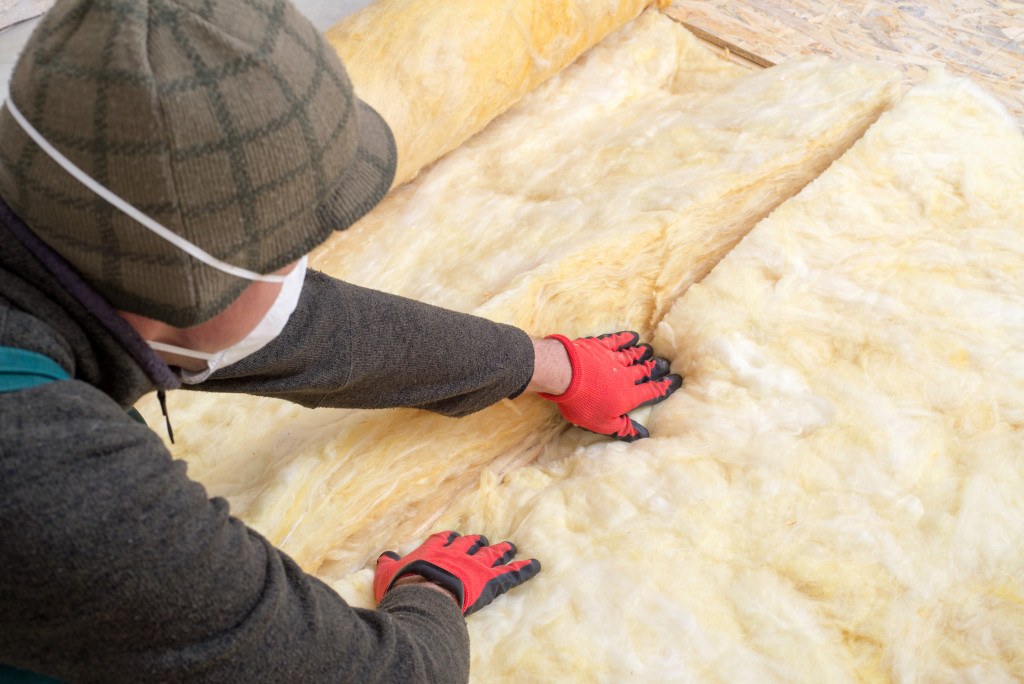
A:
348, 346
352, 347
118, 568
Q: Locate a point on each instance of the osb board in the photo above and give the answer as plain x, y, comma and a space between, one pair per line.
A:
980, 39
14, 11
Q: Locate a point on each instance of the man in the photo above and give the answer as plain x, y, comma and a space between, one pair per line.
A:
165, 166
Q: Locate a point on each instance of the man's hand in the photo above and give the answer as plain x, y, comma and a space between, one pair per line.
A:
611, 376
472, 571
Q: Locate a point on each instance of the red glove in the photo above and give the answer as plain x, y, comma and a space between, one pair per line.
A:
466, 566
611, 376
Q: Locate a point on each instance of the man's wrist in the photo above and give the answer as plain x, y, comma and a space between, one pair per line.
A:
552, 371
420, 580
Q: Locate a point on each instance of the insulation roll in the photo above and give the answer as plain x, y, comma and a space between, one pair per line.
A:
438, 72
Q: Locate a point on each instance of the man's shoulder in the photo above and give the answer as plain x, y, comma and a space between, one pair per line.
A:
66, 413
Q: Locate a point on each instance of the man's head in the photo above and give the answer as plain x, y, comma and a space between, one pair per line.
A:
229, 122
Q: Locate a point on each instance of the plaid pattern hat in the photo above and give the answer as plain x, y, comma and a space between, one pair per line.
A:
231, 123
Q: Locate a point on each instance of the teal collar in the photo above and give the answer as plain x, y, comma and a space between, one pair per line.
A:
21, 369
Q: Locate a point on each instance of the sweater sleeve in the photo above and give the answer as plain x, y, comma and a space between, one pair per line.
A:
118, 568
351, 347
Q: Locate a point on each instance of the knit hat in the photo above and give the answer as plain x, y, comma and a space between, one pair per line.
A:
231, 123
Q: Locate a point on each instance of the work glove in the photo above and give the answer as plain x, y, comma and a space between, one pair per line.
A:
466, 566
611, 376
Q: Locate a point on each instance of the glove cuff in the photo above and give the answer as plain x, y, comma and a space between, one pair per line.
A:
577, 377
435, 574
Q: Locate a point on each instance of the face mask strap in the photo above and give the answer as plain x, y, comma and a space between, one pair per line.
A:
168, 235
182, 351
268, 328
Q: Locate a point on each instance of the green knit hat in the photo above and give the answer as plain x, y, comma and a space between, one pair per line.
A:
231, 123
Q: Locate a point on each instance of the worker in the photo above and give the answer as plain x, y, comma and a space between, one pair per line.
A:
165, 168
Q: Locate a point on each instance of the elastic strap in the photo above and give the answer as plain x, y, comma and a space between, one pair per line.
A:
191, 353
172, 237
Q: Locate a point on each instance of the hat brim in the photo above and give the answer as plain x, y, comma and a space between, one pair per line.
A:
368, 178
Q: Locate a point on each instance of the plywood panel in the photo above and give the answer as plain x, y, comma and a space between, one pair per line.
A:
980, 39
14, 11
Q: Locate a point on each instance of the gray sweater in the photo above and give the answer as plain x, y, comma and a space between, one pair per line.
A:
118, 568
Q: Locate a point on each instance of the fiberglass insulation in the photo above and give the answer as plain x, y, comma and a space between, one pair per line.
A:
438, 72
835, 495
838, 493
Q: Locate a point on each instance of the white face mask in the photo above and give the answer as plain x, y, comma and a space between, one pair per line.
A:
269, 327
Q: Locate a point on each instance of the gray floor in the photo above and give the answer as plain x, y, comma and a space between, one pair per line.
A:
323, 14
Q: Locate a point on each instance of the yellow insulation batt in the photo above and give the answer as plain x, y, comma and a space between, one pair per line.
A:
837, 493
581, 228
439, 71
